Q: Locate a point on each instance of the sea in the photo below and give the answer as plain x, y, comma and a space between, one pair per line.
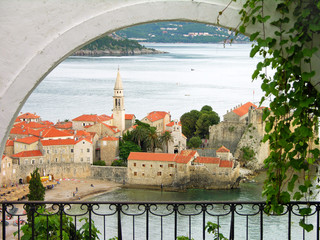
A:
185, 78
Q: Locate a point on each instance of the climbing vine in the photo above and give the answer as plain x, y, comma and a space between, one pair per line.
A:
285, 40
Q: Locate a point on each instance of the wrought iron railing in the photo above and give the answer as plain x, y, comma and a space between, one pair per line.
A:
163, 220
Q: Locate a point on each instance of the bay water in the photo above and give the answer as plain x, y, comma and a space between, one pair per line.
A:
187, 77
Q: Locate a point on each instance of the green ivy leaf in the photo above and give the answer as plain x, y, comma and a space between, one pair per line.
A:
253, 36
307, 227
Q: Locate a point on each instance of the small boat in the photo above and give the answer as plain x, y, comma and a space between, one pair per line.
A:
192, 69
187, 95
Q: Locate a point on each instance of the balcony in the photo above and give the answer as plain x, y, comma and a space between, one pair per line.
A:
161, 220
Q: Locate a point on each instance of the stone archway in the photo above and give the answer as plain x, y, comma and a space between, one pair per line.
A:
41, 34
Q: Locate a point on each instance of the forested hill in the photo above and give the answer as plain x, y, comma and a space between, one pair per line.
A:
184, 32
114, 46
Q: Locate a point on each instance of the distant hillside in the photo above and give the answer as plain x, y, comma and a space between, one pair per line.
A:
173, 32
114, 45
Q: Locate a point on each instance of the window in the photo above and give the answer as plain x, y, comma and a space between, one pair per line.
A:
25, 146
81, 159
56, 151
170, 175
13, 171
151, 165
56, 159
170, 165
33, 161
88, 149
88, 159
161, 166
40, 160
135, 174
159, 173
134, 164
142, 174
26, 161
83, 124
8, 164
143, 165
48, 151
71, 150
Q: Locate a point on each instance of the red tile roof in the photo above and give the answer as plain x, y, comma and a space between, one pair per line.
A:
33, 153
156, 115
166, 157
3, 156
30, 125
112, 128
28, 140
129, 116
223, 149
19, 131
53, 132
28, 116
47, 123
170, 124
9, 142
226, 163
92, 118
244, 109
63, 125
185, 156
212, 160
108, 138
58, 142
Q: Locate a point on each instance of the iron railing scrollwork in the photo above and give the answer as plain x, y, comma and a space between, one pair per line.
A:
166, 220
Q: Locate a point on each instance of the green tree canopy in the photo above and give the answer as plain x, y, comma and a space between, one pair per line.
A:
194, 142
165, 138
195, 123
125, 148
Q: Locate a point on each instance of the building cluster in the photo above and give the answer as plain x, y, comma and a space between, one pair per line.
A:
186, 169
83, 140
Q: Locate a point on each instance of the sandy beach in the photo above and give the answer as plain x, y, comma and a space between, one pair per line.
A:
66, 190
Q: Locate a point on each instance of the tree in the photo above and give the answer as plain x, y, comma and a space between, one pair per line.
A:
206, 120
36, 189
206, 108
125, 148
152, 139
165, 138
139, 134
36, 192
188, 122
194, 142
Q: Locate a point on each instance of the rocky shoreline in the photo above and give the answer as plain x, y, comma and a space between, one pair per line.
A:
117, 52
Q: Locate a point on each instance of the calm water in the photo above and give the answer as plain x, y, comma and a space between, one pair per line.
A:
274, 227
221, 77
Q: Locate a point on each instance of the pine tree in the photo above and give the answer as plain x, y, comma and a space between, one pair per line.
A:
36, 191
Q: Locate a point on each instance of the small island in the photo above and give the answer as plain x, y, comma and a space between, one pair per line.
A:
114, 45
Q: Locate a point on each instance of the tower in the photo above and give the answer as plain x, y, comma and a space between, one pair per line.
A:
118, 105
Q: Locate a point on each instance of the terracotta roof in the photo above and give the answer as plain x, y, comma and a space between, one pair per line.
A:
82, 133
212, 160
223, 149
226, 163
47, 123
108, 138
63, 125
88, 139
28, 116
92, 118
244, 109
33, 153
9, 142
30, 125
53, 132
3, 156
28, 140
166, 157
170, 124
156, 115
112, 128
19, 131
185, 156
58, 142
129, 116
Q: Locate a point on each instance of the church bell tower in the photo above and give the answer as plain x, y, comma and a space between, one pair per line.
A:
118, 105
